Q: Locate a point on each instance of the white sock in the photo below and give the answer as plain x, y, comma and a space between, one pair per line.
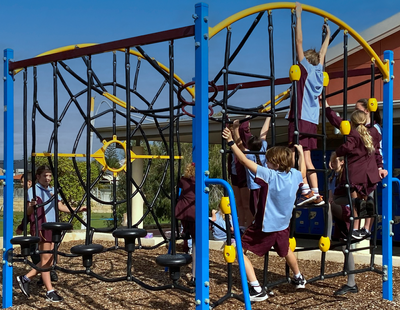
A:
305, 189
298, 275
48, 292
256, 286
315, 191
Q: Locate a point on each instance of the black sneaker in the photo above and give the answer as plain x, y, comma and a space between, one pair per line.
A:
54, 297
53, 276
364, 233
257, 296
346, 289
23, 285
192, 282
299, 282
361, 207
356, 234
370, 206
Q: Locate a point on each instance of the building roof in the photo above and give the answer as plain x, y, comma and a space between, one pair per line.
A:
372, 35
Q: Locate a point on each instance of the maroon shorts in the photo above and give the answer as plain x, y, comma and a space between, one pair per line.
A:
254, 194
45, 235
260, 243
308, 143
342, 225
189, 228
362, 189
237, 181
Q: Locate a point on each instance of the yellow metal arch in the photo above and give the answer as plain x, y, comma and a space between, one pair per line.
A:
132, 52
383, 67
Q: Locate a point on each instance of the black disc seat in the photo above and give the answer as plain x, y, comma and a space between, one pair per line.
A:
130, 235
87, 251
57, 228
174, 263
25, 243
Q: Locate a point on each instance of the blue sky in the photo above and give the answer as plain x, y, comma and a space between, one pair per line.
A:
33, 27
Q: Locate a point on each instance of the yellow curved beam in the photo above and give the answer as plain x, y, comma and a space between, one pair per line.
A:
212, 31
132, 52
282, 96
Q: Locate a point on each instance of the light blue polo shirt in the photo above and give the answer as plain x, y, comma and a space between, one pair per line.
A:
312, 90
45, 194
281, 196
250, 175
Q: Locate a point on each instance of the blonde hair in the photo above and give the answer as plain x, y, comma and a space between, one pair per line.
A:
312, 56
189, 171
280, 156
359, 118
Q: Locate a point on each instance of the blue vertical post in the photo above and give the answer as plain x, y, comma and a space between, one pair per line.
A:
8, 179
387, 233
201, 155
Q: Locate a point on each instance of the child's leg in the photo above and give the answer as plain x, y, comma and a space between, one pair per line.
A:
292, 262
356, 222
312, 176
46, 260
251, 275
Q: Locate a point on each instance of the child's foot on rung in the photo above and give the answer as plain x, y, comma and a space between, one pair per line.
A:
305, 198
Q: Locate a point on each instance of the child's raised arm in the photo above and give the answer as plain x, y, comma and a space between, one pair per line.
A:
324, 46
265, 128
299, 33
302, 165
249, 164
236, 135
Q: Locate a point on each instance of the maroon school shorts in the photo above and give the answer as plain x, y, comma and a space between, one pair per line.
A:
240, 182
254, 195
308, 143
259, 242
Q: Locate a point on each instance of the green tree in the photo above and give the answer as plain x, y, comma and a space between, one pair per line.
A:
72, 187
157, 186
112, 157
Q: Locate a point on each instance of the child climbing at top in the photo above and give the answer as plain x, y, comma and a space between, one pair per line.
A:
279, 184
309, 87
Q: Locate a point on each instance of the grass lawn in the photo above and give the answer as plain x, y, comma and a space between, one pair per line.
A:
98, 220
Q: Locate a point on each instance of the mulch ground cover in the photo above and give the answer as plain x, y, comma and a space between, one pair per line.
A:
84, 292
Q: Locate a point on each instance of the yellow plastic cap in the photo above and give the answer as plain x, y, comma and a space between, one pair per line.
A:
225, 205
292, 244
372, 104
229, 253
324, 244
326, 79
345, 127
294, 73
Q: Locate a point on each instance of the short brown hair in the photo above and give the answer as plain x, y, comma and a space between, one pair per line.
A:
312, 56
280, 156
42, 169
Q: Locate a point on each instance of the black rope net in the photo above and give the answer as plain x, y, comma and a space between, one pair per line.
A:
136, 111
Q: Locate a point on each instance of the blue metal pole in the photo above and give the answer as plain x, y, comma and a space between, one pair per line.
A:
200, 122
236, 231
9, 182
387, 233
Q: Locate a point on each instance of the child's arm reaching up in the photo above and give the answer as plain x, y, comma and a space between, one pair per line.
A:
324, 46
249, 164
302, 165
299, 33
